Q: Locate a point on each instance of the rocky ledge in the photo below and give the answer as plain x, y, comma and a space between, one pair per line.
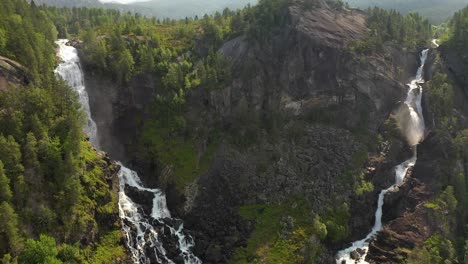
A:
12, 73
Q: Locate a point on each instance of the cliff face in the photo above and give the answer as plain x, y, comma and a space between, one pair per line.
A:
307, 105
12, 73
307, 75
306, 65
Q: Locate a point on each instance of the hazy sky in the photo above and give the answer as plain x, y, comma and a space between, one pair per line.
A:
122, 1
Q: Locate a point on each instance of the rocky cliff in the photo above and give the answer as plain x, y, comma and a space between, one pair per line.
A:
12, 73
299, 119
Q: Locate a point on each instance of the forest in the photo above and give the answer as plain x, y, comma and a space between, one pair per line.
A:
53, 187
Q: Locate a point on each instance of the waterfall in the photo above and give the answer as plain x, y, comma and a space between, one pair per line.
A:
70, 71
413, 130
152, 237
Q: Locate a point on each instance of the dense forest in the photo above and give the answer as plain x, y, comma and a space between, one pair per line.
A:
54, 188
56, 194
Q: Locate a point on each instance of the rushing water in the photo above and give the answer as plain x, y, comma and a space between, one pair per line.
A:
414, 131
70, 71
150, 235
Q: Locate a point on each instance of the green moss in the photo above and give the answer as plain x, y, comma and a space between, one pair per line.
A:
336, 220
351, 175
362, 186
266, 245
169, 148
109, 249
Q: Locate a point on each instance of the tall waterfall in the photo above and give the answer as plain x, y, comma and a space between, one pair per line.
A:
69, 70
152, 236
413, 129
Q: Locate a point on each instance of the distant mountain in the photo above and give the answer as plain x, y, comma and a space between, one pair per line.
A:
159, 8
436, 11
190, 8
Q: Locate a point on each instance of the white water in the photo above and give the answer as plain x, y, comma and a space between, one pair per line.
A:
414, 132
143, 232
70, 71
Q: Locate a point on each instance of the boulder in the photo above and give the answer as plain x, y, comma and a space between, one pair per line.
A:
355, 255
140, 197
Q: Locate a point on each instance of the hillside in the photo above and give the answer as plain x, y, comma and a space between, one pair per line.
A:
57, 197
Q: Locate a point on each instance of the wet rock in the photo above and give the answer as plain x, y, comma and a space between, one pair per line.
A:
355, 255
142, 198
361, 251
76, 43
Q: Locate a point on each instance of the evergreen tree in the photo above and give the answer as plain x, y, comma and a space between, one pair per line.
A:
5, 191
9, 228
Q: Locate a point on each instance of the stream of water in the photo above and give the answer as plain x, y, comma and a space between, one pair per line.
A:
151, 236
414, 132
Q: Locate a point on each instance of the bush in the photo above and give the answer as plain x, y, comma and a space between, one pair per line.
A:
39, 251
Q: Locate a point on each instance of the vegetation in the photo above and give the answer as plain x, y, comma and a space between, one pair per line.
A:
448, 209
458, 39
409, 31
281, 231
55, 198
27, 35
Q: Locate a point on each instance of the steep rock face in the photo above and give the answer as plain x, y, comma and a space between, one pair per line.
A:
306, 66
115, 108
455, 66
305, 71
304, 80
12, 73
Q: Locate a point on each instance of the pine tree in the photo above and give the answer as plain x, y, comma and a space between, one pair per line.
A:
9, 227
5, 191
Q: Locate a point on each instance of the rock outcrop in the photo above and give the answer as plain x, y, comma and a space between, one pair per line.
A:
12, 73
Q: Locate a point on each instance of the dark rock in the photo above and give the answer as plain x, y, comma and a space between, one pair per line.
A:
361, 251
214, 254
76, 43
12, 73
142, 198
355, 255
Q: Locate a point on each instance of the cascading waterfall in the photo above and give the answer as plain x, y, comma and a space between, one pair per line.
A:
150, 235
69, 70
414, 131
